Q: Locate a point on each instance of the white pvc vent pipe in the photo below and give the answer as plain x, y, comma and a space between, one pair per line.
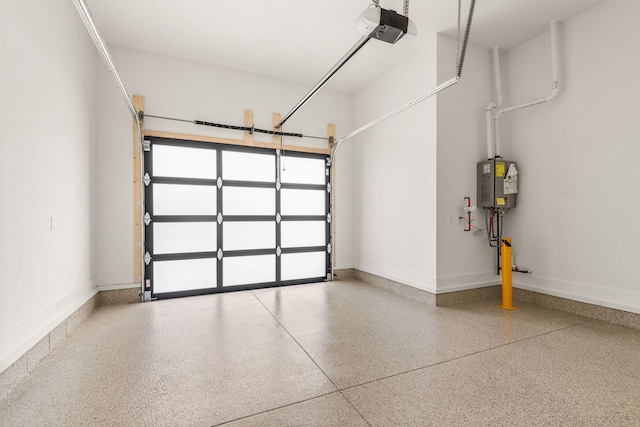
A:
492, 106
555, 87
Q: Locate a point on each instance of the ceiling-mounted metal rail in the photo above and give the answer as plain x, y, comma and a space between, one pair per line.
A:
338, 66
459, 66
410, 104
356, 47
85, 14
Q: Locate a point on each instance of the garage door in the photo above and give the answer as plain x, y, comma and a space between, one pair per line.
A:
221, 218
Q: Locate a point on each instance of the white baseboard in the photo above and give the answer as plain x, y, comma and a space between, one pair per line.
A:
102, 288
465, 282
17, 341
441, 285
344, 266
428, 283
582, 292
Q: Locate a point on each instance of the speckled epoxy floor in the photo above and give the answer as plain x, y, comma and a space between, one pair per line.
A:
332, 354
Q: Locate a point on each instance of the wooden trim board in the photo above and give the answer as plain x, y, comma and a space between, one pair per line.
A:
138, 103
248, 122
277, 139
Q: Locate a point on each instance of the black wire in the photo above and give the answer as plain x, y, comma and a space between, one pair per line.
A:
273, 132
248, 129
240, 128
479, 231
499, 242
218, 125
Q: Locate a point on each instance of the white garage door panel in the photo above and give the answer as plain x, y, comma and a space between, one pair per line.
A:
246, 270
187, 237
300, 266
249, 235
238, 166
303, 202
301, 170
175, 199
184, 162
303, 233
184, 275
248, 201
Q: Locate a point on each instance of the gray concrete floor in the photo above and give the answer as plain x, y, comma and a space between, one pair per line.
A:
332, 354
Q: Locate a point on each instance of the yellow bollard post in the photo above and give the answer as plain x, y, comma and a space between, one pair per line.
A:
507, 286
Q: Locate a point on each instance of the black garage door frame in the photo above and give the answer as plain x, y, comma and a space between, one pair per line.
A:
220, 183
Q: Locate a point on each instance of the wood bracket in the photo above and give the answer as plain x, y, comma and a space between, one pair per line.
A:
277, 139
248, 122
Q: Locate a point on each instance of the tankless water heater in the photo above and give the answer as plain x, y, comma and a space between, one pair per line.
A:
497, 184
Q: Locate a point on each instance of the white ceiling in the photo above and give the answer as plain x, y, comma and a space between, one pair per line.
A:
300, 40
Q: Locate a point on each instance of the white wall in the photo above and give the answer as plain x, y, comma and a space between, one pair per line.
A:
578, 157
464, 260
46, 154
190, 90
395, 168
414, 169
